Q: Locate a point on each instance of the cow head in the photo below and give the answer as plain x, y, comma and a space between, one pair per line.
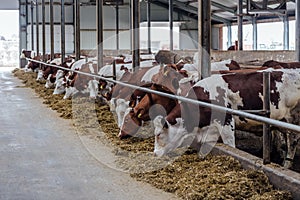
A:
59, 74
131, 124
40, 76
233, 65
70, 91
148, 108
169, 137
121, 107
49, 81
93, 88
60, 86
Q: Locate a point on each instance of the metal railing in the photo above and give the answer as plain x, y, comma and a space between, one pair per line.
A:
240, 113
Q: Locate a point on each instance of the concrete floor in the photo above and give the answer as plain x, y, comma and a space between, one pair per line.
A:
41, 157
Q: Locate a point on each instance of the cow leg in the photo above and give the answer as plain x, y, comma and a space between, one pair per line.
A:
279, 147
292, 140
227, 133
208, 137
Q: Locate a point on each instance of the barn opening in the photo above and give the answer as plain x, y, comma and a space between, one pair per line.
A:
9, 38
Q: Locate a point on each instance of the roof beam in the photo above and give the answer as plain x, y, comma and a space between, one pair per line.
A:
191, 9
224, 8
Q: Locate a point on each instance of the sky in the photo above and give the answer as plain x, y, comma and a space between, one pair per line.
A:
9, 23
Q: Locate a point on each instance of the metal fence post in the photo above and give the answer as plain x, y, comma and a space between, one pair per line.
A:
266, 127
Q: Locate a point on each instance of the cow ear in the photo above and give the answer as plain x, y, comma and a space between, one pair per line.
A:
139, 114
164, 123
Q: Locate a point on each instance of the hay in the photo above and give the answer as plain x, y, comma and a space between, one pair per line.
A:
188, 176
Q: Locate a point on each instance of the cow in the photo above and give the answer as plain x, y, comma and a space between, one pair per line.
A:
242, 91
166, 80
46, 70
123, 97
277, 65
66, 85
150, 105
35, 66
78, 82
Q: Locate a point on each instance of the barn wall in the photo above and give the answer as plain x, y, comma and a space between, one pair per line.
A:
247, 57
69, 28
188, 27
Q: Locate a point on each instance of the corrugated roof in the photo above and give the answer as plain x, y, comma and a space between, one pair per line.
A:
225, 11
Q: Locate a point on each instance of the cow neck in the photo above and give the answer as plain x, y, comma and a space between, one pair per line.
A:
163, 89
150, 98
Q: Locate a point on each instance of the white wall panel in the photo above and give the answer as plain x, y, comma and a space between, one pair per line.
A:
88, 40
188, 39
69, 39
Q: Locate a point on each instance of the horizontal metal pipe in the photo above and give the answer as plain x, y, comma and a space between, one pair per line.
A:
192, 101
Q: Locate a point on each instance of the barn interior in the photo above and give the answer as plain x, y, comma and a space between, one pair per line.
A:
108, 28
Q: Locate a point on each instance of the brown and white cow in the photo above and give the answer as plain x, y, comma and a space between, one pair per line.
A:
242, 91
278, 65
77, 82
125, 97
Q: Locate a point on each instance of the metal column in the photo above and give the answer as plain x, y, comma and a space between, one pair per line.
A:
240, 24
37, 28
171, 23
254, 33
206, 38
99, 10
77, 29
43, 30
229, 35
51, 30
32, 28
286, 32
117, 25
199, 60
149, 25
23, 14
297, 42
63, 32
135, 20
266, 127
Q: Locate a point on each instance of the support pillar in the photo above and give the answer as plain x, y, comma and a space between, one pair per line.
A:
135, 20
99, 11
240, 24
63, 32
43, 30
77, 29
37, 28
149, 25
117, 26
206, 38
297, 46
286, 32
32, 27
171, 24
51, 30
254, 33
229, 35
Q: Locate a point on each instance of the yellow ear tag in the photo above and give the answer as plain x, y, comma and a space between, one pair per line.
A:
140, 115
101, 87
166, 73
